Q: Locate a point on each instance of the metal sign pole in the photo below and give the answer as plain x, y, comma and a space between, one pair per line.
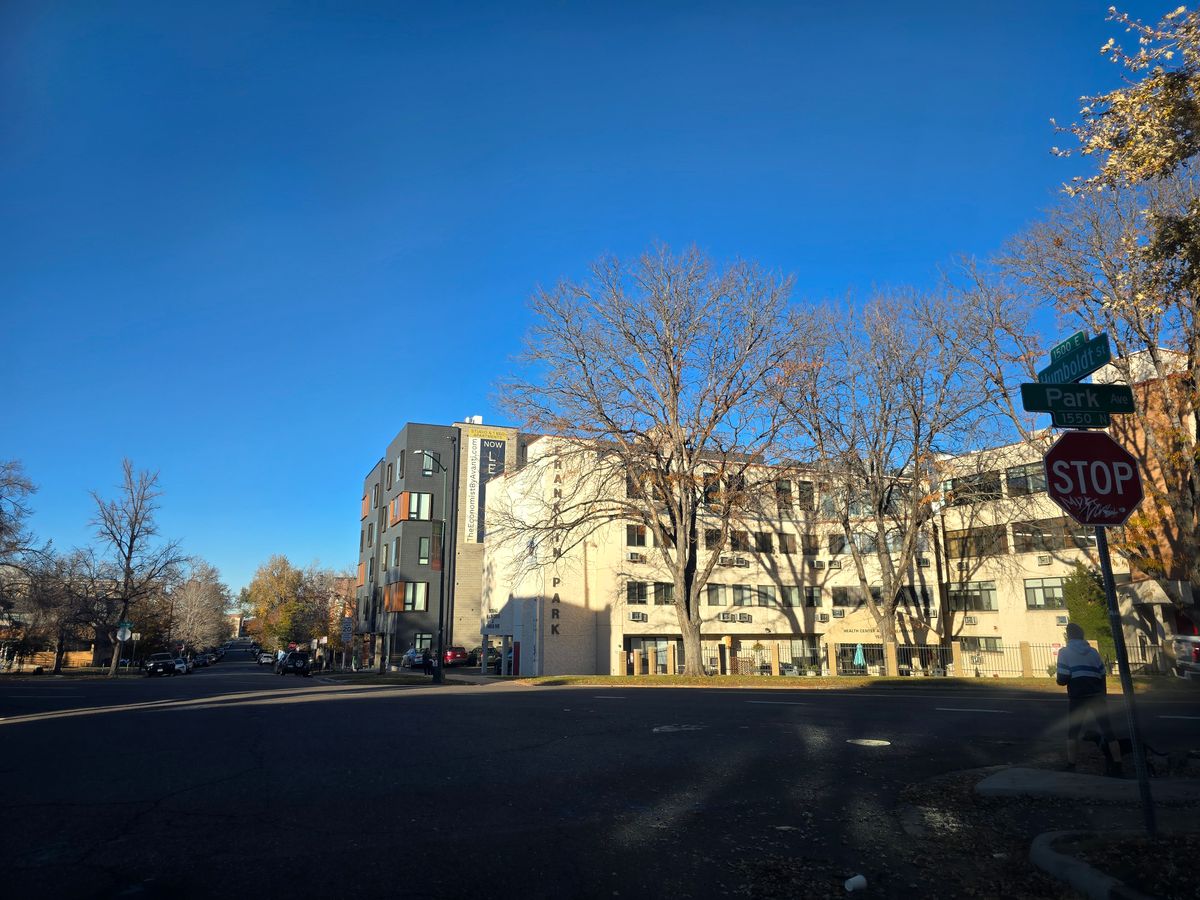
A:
1118, 633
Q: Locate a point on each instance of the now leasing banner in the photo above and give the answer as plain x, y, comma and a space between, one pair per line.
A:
485, 460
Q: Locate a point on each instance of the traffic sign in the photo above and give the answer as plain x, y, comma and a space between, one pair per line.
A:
1078, 339
347, 629
1083, 418
1076, 363
1093, 478
123, 633
1106, 398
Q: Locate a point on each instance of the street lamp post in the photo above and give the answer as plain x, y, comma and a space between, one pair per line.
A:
439, 675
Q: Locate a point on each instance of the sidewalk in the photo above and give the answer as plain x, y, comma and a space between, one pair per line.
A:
1048, 784
372, 676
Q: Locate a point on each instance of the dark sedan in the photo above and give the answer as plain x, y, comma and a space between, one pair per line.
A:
160, 664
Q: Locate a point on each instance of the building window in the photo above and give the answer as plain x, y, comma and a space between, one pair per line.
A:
396, 552
783, 495
371, 569
766, 595
664, 593
389, 477
865, 541
400, 466
805, 495
429, 462
846, 597
387, 555
743, 595
416, 596
636, 592
975, 542
712, 489
975, 488
812, 596
981, 644
420, 506
712, 538
1044, 593
635, 535
974, 596
362, 540
837, 544
763, 542
787, 544
1027, 479
423, 640
423, 551
739, 541
375, 496
716, 595
371, 534
791, 595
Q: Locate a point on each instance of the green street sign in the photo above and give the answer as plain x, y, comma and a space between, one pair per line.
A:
125, 625
1084, 418
1074, 364
1078, 339
1064, 398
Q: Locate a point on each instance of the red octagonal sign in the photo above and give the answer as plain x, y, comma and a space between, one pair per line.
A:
1093, 478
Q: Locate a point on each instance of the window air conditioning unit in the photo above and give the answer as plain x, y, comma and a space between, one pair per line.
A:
839, 613
635, 557
923, 562
742, 563
815, 564
1060, 620
971, 620
725, 617
822, 617
835, 564
725, 561
745, 617
1044, 559
638, 617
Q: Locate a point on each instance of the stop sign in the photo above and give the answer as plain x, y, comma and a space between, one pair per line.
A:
1093, 478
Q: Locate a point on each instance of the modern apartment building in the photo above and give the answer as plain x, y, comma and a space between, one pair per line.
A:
986, 583
420, 538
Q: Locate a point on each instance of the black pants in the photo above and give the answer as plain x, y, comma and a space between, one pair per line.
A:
1089, 706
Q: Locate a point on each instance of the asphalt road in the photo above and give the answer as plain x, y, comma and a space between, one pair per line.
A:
287, 786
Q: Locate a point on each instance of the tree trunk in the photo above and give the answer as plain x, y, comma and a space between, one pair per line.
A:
692, 654
116, 645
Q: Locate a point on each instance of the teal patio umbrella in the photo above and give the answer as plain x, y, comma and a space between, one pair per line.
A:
859, 658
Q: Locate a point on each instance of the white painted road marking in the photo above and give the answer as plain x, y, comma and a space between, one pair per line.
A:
969, 709
605, 697
869, 742
1189, 718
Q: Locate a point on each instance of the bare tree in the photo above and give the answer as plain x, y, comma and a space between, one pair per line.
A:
198, 606
1094, 258
884, 391
65, 599
653, 379
16, 540
127, 533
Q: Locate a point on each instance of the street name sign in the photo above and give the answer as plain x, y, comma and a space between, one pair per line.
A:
1052, 398
1094, 479
1078, 339
1074, 364
1082, 418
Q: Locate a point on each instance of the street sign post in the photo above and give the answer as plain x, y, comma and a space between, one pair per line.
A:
1065, 398
1077, 361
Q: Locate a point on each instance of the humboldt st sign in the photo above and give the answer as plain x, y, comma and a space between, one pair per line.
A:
1076, 358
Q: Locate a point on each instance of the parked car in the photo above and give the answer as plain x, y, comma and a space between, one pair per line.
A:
265, 659
182, 666
411, 658
296, 663
200, 660
1187, 655
160, 664
493, 656
456, 656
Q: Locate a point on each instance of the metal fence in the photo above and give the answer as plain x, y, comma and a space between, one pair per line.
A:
751, 661
925, 661
1000, 661
1044, 659
801, 658
861, 659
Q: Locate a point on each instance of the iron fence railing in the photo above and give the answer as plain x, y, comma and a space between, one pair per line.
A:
861, 659
925, 660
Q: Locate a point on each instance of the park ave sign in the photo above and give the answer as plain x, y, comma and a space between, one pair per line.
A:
1093, 478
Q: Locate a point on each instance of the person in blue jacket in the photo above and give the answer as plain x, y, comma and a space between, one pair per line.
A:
1082, 671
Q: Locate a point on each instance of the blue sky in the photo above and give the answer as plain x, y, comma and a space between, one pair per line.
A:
234, 231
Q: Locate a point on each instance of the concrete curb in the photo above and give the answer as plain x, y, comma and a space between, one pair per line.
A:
1020, 781
1089, 881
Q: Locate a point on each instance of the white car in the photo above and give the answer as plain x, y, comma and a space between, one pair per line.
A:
182, 666
265, 659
